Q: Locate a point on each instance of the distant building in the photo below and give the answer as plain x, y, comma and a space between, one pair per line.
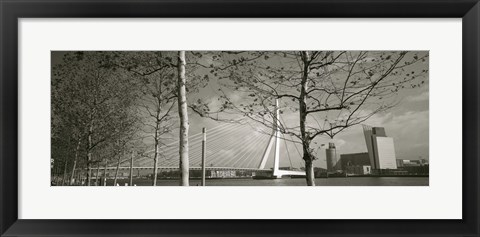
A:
417, 170
367, 169
381, 149
222, 173
412, 162
319, 172
413, 167
355, 163
331, 157
354, 159
359, 170
399, 163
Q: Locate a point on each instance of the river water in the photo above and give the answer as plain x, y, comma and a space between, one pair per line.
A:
350, 181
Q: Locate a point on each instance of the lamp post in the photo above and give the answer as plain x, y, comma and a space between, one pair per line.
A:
204, 150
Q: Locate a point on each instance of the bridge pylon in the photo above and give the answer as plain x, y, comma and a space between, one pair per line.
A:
275, 137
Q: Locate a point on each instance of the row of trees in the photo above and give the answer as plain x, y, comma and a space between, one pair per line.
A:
108, 104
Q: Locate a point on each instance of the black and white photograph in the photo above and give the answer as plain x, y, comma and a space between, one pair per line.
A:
239, 118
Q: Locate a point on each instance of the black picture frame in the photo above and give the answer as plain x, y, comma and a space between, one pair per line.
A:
11, 11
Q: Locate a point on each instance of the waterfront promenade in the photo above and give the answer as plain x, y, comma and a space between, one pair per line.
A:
350, 181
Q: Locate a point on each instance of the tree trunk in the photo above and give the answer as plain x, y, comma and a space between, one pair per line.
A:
89, 153
155, 155
131, 168
156, 137
65, 173
155, 163
105, 173
183, 114
310, 174
307, 157
72, 178
116, 171
89, 175
97, 175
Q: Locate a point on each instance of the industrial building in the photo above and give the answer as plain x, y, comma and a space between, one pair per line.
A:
331, 153
381, 149
402, 163
355, 163
415, 167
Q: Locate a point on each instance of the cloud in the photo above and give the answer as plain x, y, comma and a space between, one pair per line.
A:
410, 131
339, 142
417, 98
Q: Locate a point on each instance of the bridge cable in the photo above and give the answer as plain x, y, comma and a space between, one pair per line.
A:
213, 140
254, 141
216, 157
248, 149
217, 148
192, 139
193, 143
259, 152
196, 155
288, 153
244, 148
294, 143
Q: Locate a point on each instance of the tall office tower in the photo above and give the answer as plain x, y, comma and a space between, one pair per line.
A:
381, 149
380, 132
331, 157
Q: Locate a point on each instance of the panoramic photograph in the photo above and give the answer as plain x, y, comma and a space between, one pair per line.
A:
239, 118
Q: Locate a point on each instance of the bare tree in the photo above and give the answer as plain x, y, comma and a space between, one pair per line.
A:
329, 91
75, 160
160, 92
95, 99
158, 100
156, 75
124, 143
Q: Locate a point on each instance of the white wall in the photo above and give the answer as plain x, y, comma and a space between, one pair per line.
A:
385, 152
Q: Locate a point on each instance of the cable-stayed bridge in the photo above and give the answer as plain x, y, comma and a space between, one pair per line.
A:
231, 146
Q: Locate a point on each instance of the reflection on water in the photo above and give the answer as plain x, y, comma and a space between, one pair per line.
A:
358, 181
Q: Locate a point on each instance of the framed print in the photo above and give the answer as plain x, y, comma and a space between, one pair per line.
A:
281, 117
